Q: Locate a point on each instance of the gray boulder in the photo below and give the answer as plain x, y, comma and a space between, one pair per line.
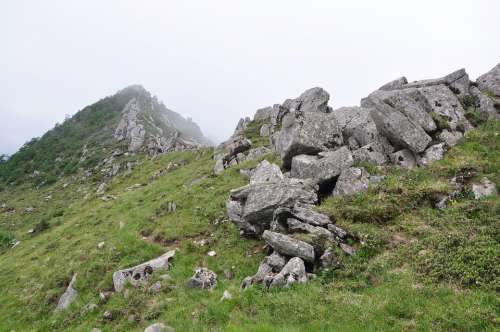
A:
265, 130
306, 133
294, 271
356, 125
404, 158
485, 104
433, 153
266, 172
351, 181
490, 82
257, 152
203, 278
323, 168
251, 207
450, 138
263, 114
288, 246
312, 100
328, 259
398, 83
401, 131
445, 103
295, 225
445, 80
484, 188
158, 327
68, 296
375, 152
141, 272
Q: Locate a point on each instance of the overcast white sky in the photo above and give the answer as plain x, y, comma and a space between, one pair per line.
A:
217, 61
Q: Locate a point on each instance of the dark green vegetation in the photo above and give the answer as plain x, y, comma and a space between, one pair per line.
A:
417, 267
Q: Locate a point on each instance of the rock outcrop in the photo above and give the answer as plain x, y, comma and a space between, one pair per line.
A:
68, 296
141, 272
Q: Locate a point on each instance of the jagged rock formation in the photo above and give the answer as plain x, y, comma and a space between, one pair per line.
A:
148, 125
406, 124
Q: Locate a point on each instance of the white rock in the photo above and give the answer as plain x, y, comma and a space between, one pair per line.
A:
484, 188
226, 296
212, 253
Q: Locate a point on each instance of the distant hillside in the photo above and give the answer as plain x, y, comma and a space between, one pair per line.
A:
130, 121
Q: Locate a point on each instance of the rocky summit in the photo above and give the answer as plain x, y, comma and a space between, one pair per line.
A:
308, 217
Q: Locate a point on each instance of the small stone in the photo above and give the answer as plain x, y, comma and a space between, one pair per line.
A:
226, 296
100, 245
228, 274
108, 315
133, 318
212, 253
203, 278
484, 188
95, 330
158, 327
155, 288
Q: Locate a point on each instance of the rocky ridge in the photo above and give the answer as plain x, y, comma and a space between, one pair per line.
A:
401, 123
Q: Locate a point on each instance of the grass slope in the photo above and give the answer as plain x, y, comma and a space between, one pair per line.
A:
418, 268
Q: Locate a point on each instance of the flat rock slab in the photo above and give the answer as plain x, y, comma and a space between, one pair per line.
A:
141, 272
289, 246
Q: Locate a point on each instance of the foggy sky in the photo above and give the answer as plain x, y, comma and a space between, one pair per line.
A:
217, 61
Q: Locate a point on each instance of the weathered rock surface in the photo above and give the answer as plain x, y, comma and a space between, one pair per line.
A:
68, 296
288, 246
486, 105
450, 138
203, 278
266, 172
311, 100
351, 181
141, 272
294, 271
404, 158
434, 152
323, 168
490, 82
158, 327
306, 133
484, 188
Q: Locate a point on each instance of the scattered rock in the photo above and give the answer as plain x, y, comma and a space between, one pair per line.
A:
328, 259
100, 245
404, 158
433, 153
158, 327
203, 278
288, 246
266, 172
68, 296
212, 253
141, 272
226, 296
311, 100
484, 188
108, 315
351, 181
294, 271
101, 188
89, 307
450, 138
155, 288
29, 209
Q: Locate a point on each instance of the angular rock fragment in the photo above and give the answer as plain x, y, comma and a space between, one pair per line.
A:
306, 133
68, 296
203, 278
323, 168
311, 100
433, 153
356, 125
490, 82
450, 138
484, 188
294, 271
351, 181
266, 172
288, 246
141, 272
398, 83
404, 158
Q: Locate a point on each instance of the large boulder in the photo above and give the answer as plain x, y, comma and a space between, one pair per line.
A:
266, 172
323, 168
251, 207
356, 123
486, 105
490, 82
306, 133
376, 152
433, 153
398, 83
294, 271
445, 104
141, 272
312, 100
399, 129
412, 103
289, 246
351, 181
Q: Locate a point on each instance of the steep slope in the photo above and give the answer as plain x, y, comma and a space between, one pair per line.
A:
421, 251
130, 121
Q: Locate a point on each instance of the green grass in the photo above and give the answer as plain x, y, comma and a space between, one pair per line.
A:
418, 268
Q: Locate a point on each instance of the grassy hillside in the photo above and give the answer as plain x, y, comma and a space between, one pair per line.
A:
419, 268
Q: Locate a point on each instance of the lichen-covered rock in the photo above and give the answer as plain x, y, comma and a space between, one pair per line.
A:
311, 100
306, 133
404, 158
375, 152
203, 278
401, 131
351, 181
68, 296
294, 271
433, 153
485, 104
141, 272
257, 152
450, 138
490, 82
289, 246
251, 207
323, 168
356, 125
265, 130
266, 172
263, 114
484, 188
